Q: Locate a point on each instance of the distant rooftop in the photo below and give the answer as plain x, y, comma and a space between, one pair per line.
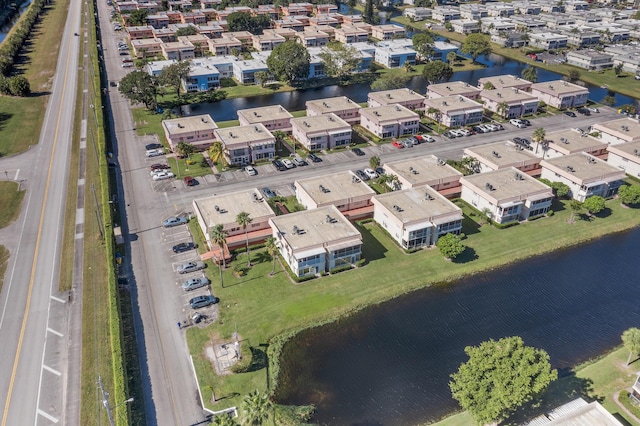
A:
388, 113
505, 184
337, 104
244, 134
508, 95
624, 128
196, 123
506, 80
582, 167
558, 87
266, 113
448, 104
572, 141
318, 123
223, 209
387, 97
328, 189
416, 204
428, 170
452, 88
502, 154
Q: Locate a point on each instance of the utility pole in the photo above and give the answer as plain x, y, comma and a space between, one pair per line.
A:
105, 401
100, 224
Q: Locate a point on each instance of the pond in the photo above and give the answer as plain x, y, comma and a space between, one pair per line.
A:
390, 364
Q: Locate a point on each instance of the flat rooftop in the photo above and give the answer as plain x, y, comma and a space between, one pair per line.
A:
417, 204
321, 226
243, 134
387, 97
558, 87
502, 154
632, 149
229, 205
583, 167
572, 141
337, 187
337, 104
452, 88
508, 94
423, 170
196, 123
452, 103
625, 128
320, 123
388, 113
507, 184
500, 81
267, 113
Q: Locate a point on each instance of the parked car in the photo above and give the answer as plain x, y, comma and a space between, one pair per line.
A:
299, 162
517, 123
203, 301
596, 110
371, 173
153, 146
427, 138
449, 135
127, 65
268, 193
288, 163
279, 165
190, 181
193, 266
159, 166
174, 221
358, 152
416, 140
362, 175
113, 84
570, 113
314, 158
250, 170
459, 133
407, 143
526, 122
163, 175
154, 152
182, 247
397, 144
195, 283
492, 127
583, 111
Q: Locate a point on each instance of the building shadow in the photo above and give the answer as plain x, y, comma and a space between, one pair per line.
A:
372, 249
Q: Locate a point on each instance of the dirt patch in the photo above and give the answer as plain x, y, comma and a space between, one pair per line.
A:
223, 356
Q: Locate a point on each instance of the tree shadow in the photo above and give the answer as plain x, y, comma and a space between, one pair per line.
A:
557, 205
606, 212
261, 257
259, 359
470, 226
468, 255
4, 117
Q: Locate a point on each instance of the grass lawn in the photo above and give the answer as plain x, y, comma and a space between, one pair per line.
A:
11, 199
180, 168
600, 378
21, 118
255, 90
148, 122
263, 307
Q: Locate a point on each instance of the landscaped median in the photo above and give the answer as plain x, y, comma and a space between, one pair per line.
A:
267, 310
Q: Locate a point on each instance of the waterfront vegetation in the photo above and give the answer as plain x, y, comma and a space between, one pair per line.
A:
267, 310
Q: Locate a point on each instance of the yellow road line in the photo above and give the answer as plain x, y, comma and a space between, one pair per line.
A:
35, 256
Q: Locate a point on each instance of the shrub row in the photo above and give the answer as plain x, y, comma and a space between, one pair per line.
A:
339, 269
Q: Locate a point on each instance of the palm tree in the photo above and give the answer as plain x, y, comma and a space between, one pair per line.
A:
223, 420
436, 114
539, 134
215, 151
502, 109
272, 249
374, 162
243, 219
256, 407
530, 74
219, 237
631, 340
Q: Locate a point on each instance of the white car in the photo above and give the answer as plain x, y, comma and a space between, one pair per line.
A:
492, 127
250, 170
371, 173
287, 163
427, 138
127, 65
163, 175
517, 123
596, 110
154, 152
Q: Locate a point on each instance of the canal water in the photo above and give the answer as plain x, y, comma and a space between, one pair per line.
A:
390, 364
295, 101
6, 27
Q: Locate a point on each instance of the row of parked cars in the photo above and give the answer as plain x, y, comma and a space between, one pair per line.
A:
286, 163
413, 140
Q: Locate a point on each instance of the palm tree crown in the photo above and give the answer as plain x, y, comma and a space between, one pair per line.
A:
243, 219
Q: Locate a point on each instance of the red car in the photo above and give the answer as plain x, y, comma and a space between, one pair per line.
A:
397, 144
189, 181
160, 167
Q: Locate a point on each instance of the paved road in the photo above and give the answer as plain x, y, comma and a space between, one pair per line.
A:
33, 317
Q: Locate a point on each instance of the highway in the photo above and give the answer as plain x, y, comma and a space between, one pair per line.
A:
34, 327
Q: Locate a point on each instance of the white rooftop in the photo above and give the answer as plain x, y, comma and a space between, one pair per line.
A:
224, 208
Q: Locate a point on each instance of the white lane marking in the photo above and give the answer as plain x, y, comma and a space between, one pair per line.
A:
57, 299
57, 333
81, 182
79, 216
17, 173
79, 235
47, 416
51, 370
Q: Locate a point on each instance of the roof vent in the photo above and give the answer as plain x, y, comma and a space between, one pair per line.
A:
388, 95
305, 124
398, 108
397, 208
570, 169
636, 152
180, 126
296, 230
625, 128
519, 176
496, 154
441, 162
323, 188
324, 104
592, 160
217, 208
564, 141
428, 196
489, 187
204, 120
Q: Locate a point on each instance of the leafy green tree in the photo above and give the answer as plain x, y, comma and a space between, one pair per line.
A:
256, 408
19, 86
185, 149
629, 195
340, 60
631, 341
488, 86
450, 246
374, 162
272, 249
530, 73
137, 18
448, 26
219, 237
423, 45
476, 45
391, 180
173, 75
244, 21
140, 87
609, 100
618, 69
262, 77
367, 16
244, 219
574, 75
437, 72
499, 377
576, 207
289, 61
559, 189
436, 114
223, 420
452, 57
594, 204
394, 79
187, 31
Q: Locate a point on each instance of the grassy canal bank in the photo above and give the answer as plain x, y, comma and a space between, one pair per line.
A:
623, 84
266, 310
